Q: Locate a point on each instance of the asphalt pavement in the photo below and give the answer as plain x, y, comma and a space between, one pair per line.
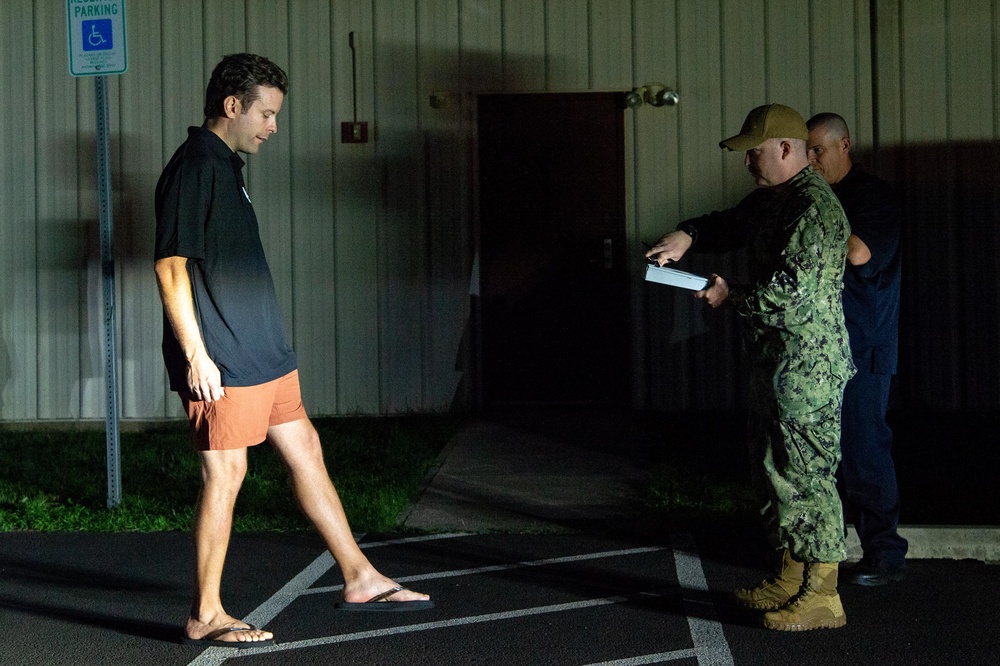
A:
526, 538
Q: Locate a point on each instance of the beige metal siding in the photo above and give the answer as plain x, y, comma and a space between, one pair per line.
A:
524, 61
308, 127
567, 47
58, 224
402, 266
141, 148
445, 220
372, 245
971, 71
653, 171
938, 81
18, 267
355, 188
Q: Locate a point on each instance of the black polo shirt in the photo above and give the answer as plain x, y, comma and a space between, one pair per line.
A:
203, 213
871, 291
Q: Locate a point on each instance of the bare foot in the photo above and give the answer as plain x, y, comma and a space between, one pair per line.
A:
225, 629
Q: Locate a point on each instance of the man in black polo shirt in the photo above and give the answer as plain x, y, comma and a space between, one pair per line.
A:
226, 352
871, 308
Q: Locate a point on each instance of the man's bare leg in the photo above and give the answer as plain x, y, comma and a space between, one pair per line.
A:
299, 446
222, 475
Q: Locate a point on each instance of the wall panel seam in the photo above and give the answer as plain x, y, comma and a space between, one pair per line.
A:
590, 44
949, 101
545, 44
995, 15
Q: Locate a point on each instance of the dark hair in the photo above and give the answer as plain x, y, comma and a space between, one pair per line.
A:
830, 121
239, 74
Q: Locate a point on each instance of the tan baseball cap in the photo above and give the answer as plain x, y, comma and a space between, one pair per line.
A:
771, 121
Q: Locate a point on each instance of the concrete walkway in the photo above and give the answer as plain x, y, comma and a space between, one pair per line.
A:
563, 471
494, 476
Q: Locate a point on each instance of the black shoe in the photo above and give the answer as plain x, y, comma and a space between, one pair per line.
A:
870, 573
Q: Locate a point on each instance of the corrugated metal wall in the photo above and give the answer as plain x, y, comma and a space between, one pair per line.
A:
938, 82
726, 58
371, 245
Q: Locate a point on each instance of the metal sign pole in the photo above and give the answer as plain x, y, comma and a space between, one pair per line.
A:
97, 47
108, 279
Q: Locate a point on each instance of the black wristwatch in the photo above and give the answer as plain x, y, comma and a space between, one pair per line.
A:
690, 230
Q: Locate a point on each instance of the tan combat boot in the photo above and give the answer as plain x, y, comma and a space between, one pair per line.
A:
817, 606
776, 591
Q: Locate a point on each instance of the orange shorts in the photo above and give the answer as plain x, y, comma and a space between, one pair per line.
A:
242, 416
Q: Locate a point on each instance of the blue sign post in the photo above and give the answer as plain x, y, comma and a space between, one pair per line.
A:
97, 48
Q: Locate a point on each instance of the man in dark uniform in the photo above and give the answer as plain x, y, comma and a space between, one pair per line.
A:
226, 352
871, 307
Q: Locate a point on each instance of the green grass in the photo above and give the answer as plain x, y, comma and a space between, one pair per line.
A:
700, 471
57, 480
682, 493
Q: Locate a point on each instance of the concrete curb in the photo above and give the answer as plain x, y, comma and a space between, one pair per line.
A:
950, 542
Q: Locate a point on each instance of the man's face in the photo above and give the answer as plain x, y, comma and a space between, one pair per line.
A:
252, 127
764, 163
829, 154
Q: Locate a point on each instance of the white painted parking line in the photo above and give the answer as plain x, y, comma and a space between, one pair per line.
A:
709, 639
412, 539
264, 613
294, 588
660, 658
710, 646
427, 626
502, 567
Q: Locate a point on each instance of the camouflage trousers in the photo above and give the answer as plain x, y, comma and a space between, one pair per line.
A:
794, 453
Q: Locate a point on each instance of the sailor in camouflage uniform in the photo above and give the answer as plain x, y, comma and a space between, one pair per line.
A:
797, 342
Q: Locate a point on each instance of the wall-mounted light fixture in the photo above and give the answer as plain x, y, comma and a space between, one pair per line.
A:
654, 94
658, 94
633, 98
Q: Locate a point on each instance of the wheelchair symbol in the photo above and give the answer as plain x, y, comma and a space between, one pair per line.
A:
97, 35
95, 38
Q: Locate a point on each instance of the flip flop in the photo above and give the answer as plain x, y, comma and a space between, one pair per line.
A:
211, 639
380, 602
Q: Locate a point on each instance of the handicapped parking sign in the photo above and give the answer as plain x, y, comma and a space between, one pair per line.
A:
97, 43
97, 35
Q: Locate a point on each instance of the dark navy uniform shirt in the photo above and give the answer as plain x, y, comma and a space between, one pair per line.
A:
203, 213
871, 291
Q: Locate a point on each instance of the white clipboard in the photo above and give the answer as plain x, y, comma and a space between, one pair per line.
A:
675, 278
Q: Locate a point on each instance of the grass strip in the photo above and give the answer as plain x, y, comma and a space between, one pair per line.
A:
57, 480
680, 492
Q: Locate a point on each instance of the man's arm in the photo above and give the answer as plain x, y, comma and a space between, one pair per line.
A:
873, 213
204, 379
719, 231
858, 253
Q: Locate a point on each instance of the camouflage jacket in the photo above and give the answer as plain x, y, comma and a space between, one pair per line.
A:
797, 241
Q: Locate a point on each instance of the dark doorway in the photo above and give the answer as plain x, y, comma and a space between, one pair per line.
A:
552, 249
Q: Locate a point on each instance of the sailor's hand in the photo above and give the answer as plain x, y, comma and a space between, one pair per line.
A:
716, 293
670, 248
